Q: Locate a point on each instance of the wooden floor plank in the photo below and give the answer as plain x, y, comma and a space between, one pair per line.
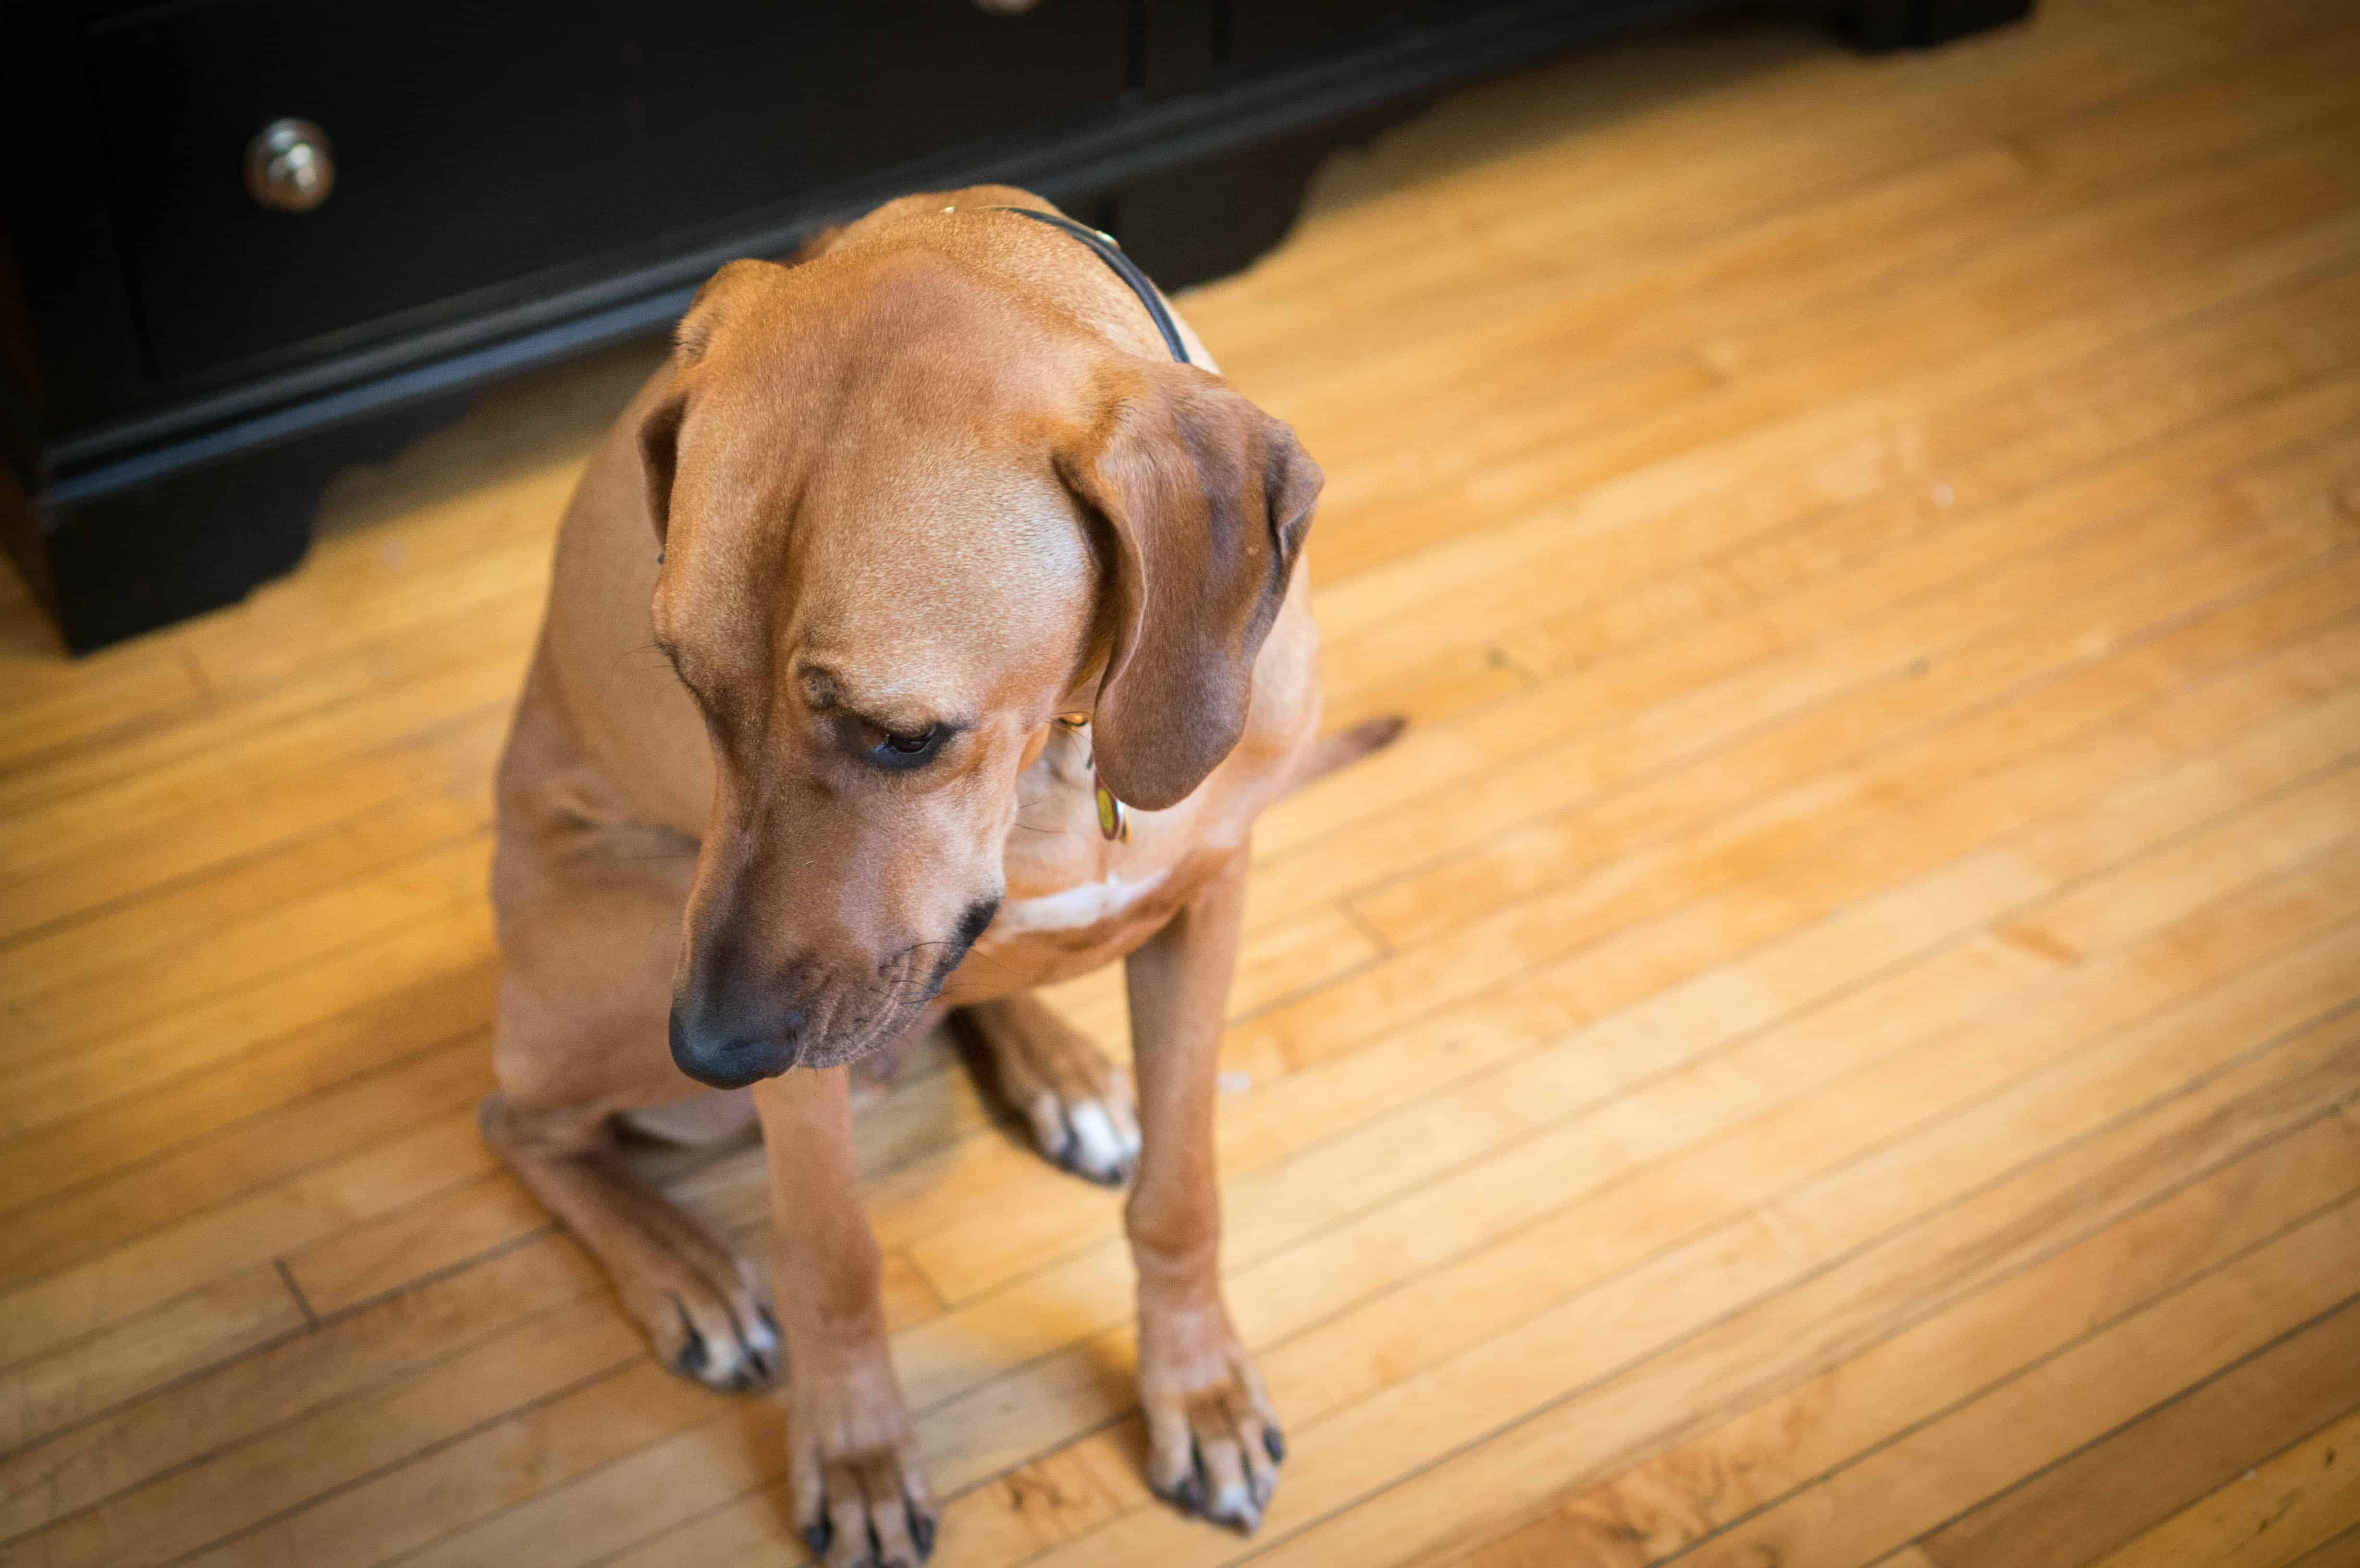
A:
1404, 829
182, 1101
209, 1326
2343, 1549
349, 1363
2218, 356
1659, 1509
1743, 461
77, 956
1387, 1530
1867, 1509
325, 1201
1832, 1036
348, 989
543, 1445
526, 1362
1471, 955
2271, 1516
2020, 1419
293, 933
473, 632
1739, 120
62, 1227
1542, 859
2166, 1458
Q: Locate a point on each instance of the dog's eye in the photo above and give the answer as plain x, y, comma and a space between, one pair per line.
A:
909, 750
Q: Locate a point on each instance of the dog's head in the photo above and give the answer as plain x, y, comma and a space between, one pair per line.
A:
906, 523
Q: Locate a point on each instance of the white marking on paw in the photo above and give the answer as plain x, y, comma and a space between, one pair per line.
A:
1232, 1503
1076, 909
1094, 1131
1047, 1116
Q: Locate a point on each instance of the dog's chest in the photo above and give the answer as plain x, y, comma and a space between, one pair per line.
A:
1074, 900
1084, 907
1048, 930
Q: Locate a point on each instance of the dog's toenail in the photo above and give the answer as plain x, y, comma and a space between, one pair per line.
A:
818, 1536
1273, 1442
692, 1357
922, 1530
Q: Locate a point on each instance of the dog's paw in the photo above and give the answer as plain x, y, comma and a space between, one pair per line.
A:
732, 1350
1094, 1135
860, 1500
702, 1309
1214, 1444
1078, 1105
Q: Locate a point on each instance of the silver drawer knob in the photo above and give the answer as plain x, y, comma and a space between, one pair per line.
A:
290, 166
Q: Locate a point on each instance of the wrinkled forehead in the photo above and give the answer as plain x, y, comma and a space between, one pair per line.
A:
871, 464
930, 568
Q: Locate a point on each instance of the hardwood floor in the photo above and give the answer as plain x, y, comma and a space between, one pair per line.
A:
1835, 1039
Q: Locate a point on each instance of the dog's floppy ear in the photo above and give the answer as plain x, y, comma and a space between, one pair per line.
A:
659, 458
660, 429
1207, 500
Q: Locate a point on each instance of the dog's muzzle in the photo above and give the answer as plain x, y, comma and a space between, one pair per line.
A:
729, 1032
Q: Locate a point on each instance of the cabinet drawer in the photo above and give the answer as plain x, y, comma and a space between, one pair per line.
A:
472, 144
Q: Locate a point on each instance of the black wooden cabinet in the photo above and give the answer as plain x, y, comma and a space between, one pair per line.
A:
478, 144
248, 241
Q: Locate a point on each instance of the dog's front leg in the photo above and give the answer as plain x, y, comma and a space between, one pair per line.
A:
1213, 1441
859, 1498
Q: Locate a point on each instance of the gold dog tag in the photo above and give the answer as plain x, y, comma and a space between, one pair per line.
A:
1114, 817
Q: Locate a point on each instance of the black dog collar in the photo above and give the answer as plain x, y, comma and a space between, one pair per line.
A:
1110, 252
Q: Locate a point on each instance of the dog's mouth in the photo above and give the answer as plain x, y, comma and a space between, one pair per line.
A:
832, 1029
905, 984
841, 1047
815, 1054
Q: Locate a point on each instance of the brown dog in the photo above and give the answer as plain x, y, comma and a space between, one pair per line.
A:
936, 537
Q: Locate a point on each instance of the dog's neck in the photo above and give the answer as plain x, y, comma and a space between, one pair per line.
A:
1108, 249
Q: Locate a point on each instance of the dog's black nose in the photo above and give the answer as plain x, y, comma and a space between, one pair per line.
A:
717, 1051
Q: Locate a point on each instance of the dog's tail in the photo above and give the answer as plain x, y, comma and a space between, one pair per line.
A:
1344, 747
